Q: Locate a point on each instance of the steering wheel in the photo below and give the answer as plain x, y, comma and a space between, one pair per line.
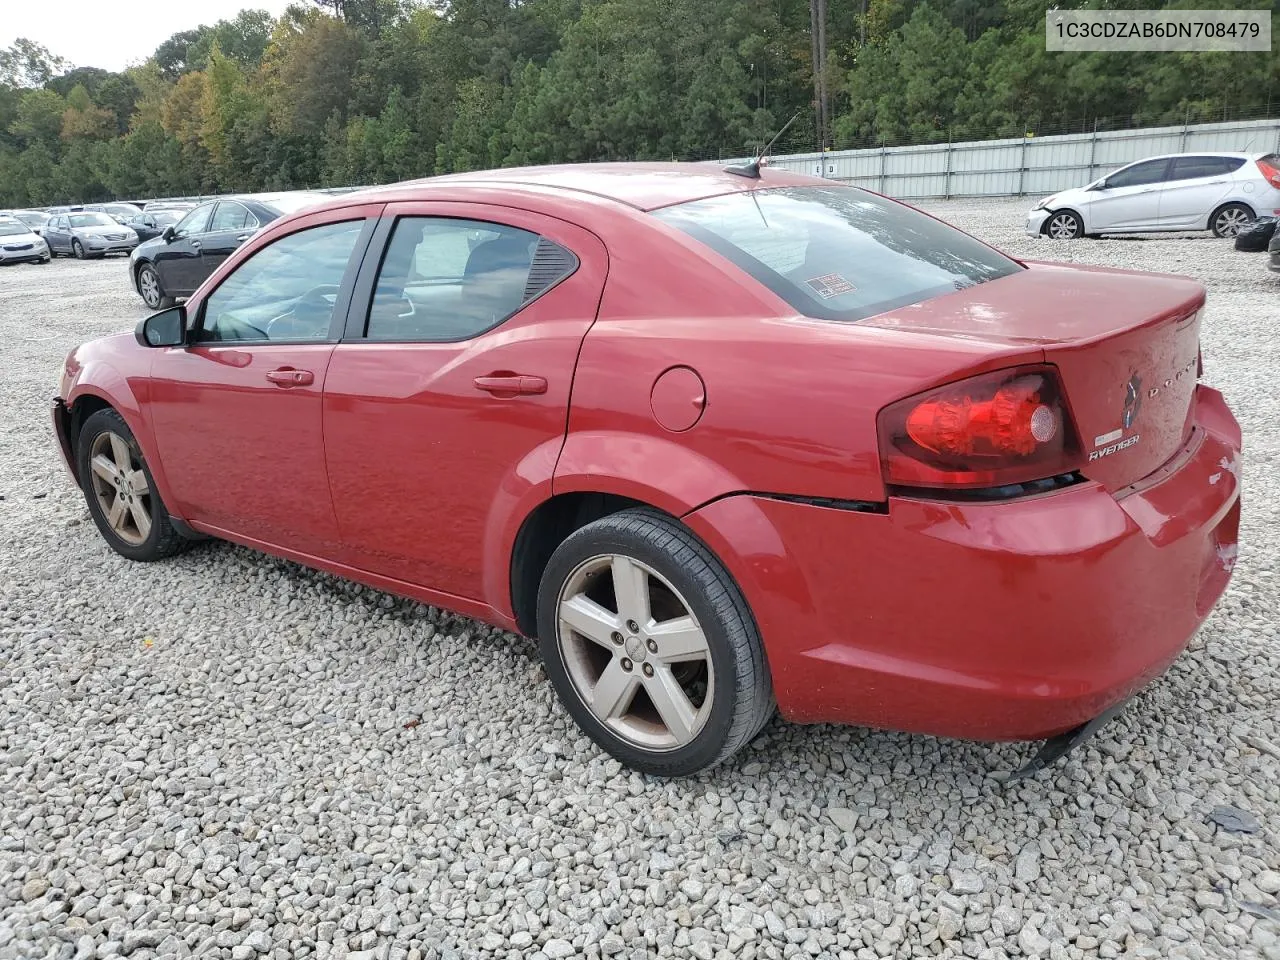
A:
308, 315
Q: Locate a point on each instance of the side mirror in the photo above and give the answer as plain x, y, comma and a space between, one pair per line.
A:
168, 328
1100, 185
167, 234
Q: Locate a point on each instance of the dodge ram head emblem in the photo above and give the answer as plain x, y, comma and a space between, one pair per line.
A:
1132, 401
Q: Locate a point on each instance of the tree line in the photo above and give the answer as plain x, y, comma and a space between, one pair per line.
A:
342, 92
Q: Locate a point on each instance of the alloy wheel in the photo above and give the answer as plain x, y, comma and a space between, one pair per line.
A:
1062, 226
149, 287
121, 487
1230, 222
635, 653
77, 249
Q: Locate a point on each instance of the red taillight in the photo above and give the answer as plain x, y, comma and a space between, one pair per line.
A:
1269, 173
1000, 428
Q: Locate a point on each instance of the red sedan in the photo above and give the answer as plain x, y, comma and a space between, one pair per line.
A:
720, 441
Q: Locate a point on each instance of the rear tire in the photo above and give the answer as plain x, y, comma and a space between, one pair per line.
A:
670, 684
150, 290
120, 491
1064, 225
1229, 219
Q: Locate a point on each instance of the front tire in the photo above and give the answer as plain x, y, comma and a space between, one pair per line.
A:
150, 290
650, 645
1229, 219
120, 492
1064, 225
77, 250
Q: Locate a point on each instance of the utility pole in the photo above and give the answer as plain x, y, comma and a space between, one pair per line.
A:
818, 51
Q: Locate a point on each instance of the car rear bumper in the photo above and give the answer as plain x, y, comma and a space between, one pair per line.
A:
993, 621
1035, 222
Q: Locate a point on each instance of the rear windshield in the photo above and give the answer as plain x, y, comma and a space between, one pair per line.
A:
838, 253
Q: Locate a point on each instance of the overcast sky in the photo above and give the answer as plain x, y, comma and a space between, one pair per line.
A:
113, 33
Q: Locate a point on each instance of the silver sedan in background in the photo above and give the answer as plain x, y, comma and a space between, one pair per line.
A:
88, 234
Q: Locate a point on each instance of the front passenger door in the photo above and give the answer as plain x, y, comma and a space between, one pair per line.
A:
1130, 200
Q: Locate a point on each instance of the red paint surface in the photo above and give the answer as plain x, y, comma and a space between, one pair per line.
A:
995, 620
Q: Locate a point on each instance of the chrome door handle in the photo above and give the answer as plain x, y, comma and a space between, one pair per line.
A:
243, 237
196, 244
289, 377
511, 384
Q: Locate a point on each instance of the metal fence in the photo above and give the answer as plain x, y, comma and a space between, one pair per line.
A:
1022, 165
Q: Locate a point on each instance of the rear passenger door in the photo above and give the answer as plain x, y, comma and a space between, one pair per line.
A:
1196, 186
232, 225
452, 379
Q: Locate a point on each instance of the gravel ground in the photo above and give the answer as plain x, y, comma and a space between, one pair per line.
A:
227, 755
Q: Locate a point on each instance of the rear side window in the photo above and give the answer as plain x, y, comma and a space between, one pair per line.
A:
1189, 168
838, 253
1140, 174
445, 279
232, 216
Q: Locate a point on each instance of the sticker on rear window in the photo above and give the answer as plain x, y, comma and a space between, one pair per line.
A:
830, 285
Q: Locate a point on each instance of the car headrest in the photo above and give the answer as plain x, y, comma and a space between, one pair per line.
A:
500, 253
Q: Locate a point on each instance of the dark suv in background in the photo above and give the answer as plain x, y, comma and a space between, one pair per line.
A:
172, 265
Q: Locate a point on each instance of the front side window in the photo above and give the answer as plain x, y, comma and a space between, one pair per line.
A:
197, 221
232, 216
1150, 171
838, 253
284, 291
444, 279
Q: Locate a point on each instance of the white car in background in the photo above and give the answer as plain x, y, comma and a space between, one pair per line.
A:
1185, 191
18, 244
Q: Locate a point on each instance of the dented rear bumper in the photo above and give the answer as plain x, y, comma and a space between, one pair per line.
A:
1013, 620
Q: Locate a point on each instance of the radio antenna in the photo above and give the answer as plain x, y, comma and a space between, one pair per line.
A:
752, 167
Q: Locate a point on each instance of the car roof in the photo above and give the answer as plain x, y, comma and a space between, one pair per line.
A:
644, 186
1202, 153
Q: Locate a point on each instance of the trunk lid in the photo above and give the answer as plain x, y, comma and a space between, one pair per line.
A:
1126, 345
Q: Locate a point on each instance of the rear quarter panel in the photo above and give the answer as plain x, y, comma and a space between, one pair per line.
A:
790, 402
